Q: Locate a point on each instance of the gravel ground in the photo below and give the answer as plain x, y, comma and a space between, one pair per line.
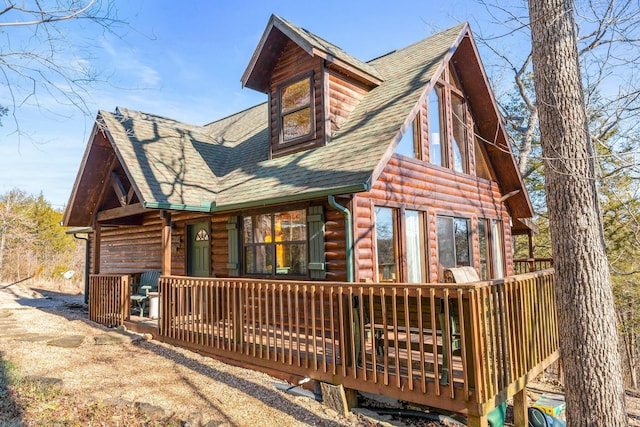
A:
168, 380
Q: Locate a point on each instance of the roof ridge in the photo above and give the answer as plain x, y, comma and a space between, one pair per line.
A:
234, 114
457, 27
328, 46
143, 115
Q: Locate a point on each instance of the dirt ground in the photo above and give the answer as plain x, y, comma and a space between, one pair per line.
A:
166, 385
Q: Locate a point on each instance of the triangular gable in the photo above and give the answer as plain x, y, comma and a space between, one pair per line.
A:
482, 102
464, 55
276, 35
101, 183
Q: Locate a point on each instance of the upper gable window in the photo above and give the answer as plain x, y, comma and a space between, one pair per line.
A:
295, 110
459, 133
409, 144
437, 147
449, 137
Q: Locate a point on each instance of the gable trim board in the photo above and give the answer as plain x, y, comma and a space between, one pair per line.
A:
226, 165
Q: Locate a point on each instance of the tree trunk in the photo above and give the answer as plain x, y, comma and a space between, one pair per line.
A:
586, 313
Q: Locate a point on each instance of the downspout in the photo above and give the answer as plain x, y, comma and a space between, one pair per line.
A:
86, 266
349, 234
352, 358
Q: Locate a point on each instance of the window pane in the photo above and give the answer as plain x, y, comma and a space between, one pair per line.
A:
291, 259
482, 167
385, 244
296, 124
247, 229
484, 250
258, 259
296, 95
496, 235
257, 229
291, 226
446, 247
413, 231
436, 149
461, 230
266, 247
409, 144
459, 126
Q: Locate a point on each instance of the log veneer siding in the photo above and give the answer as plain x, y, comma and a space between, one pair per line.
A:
416, 185
343, 96
295, 64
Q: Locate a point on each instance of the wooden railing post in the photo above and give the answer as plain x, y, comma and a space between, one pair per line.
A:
399, 345
109, 299
237, 317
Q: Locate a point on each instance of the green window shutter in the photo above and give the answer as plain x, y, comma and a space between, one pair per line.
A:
234, 249
315, 219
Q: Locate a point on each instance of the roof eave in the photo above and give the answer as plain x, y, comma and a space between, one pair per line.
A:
359, 74
348, 189
203, 207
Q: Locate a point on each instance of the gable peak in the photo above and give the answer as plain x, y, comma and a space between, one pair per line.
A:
278, 32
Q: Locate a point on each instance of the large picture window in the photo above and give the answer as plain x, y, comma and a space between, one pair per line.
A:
454, 242
491, 251
295, 110
414, 243
276, 243
399, 235
386, 244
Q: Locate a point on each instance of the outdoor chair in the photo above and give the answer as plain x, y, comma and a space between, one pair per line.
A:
148, 283
465, 274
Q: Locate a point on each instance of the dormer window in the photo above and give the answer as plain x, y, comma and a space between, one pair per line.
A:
296, 110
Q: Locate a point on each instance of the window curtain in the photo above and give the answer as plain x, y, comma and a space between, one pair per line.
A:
496, 234
414, 247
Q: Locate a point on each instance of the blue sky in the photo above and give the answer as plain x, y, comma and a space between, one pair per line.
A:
184, 60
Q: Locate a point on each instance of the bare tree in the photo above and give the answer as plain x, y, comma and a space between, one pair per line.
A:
37, 58
594, 391
609, 52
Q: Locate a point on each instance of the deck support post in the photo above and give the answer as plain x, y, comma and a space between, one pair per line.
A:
339, 398
520, 408
166, 243
97, 236
478, 420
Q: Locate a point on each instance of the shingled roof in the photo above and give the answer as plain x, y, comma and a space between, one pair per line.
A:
225, 165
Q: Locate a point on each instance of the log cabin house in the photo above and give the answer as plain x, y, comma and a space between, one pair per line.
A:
312, 234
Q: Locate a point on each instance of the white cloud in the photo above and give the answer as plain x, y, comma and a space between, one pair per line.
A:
130, 68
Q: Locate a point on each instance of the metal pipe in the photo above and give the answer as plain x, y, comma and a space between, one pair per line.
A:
86, 266
349, 234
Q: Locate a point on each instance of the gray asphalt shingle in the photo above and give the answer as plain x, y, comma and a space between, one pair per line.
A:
227, 162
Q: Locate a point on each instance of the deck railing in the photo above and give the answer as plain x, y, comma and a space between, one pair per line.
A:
452, 346
109, 300
530, 265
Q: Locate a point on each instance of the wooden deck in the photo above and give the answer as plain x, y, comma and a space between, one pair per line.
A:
460, 347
